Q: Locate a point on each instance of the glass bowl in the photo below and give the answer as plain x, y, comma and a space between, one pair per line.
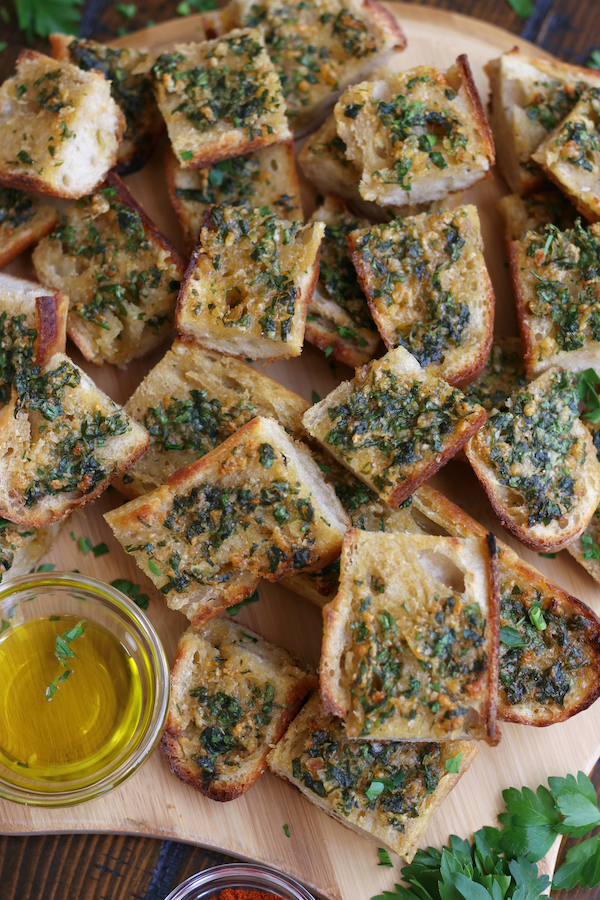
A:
66, 594
243, 876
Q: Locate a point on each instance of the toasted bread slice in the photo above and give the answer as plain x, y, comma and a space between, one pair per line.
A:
429, 290
586, 549
504, 373
409, 153
220, 98
335, 773
265, 178
547, 674
338, 314
249, 282
60, 129
127, 70
324, 162
22, 547
232, 697
570, 155
557, 291
23, 222
121, 274
394, 424
530, 97
537, 463
33, 321
62, 441
255, 507
191, 402
318, 49
410, 642
531, 213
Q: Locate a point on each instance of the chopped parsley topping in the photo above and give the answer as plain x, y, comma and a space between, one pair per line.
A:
338, 276
197, 423
504, 373
16, 208
17, 342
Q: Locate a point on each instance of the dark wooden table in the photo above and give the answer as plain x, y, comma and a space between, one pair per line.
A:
114, 867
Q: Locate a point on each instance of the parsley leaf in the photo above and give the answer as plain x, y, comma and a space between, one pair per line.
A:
523, 8
586, 385
42, 17
384, 857
286, 829
594, 60
153, 567
576, 802
63, 651
511, 637
132, 590
315, 397
234, 610
452, 765
581, 866
85, 546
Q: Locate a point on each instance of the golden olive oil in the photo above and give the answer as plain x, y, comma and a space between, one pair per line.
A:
93, 714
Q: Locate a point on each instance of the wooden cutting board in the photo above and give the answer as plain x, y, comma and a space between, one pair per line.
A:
332, 860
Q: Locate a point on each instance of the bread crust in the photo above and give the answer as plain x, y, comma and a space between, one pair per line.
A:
276, 667
14, 240
367, 820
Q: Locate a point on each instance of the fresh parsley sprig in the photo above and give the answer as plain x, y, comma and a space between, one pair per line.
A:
42, 17
587, 386
62, 652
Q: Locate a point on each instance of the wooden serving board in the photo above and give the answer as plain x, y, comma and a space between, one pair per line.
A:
329, 858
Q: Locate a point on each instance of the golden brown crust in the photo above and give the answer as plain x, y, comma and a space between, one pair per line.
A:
388, 23
527, 338
462, 64
51, 314
42, 223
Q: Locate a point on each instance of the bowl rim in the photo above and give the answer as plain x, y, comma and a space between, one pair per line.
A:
241, 875
99, 591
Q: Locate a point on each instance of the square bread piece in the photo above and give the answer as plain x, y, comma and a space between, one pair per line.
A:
22, 547
220, 98
320, 48
570, 155
60, 129
529, 98
503, 374
33, 321
557, 293
324, 162
533, 212
23, 222
394, 424
429, 290
191, 402
335, 773
410, 642
255, 507
62, 441
127, 71
233, 695
416, 136
537, 463
264, 178
249, 282
121, 274
338, 314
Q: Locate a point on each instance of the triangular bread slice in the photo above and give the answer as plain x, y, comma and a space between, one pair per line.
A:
233, 695
335, 773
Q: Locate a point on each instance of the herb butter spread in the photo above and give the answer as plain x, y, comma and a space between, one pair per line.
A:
503, 374
208, 90
533, 212
245, 287
232, 696
393, 423
17, 342
316, 47
121, 280
410, 132
16, 208
426, 282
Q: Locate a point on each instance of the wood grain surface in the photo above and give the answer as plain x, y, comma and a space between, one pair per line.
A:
53, 868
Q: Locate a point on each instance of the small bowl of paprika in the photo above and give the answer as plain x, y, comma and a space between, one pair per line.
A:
240, 881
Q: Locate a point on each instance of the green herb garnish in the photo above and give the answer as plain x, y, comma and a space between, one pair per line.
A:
62, 652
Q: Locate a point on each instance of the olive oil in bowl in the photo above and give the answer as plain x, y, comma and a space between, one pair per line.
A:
68, 708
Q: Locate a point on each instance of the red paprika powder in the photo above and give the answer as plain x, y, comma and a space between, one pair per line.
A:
243, 894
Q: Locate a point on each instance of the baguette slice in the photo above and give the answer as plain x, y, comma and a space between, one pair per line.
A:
410, 642
249, 282
503, 374
537, 463
62, 441
233, 695
429, 290
265, 178
338, 314
127, 70
409, 153
255, 507
22, 547
531, 213
394, 424
557, 293
194, 399
33, 321
23, 222
60, 129
318, 49
220, 98
121, 273
586, 549
570, 155
530, 97
334, 773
